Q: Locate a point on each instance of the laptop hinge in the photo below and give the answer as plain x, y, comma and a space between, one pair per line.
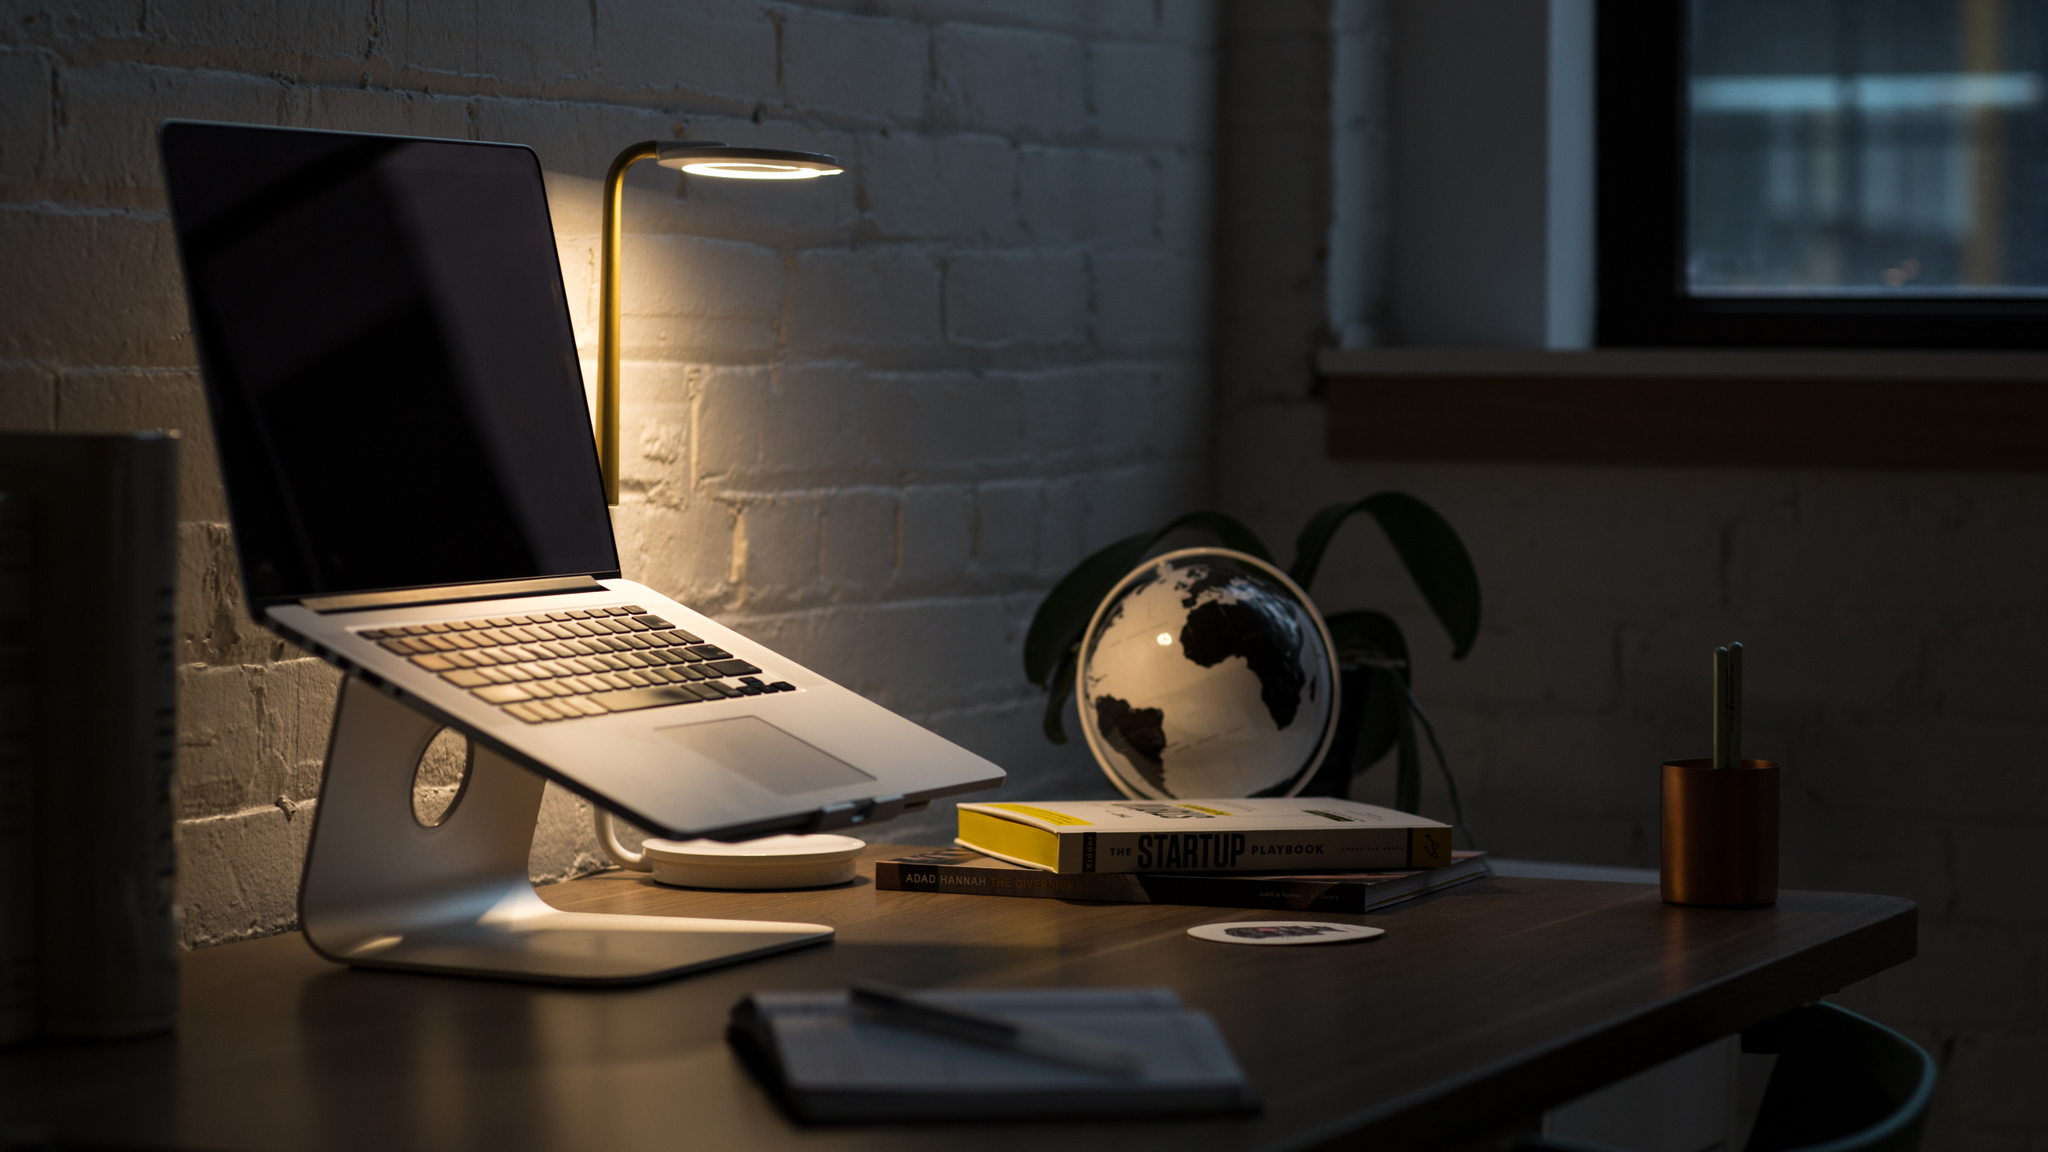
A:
451, 593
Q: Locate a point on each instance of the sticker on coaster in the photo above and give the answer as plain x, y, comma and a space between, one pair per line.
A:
1284, 932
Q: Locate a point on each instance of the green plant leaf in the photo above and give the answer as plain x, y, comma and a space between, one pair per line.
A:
1363, 637
1429, 549
1380, 726
1056, 695
1064, 613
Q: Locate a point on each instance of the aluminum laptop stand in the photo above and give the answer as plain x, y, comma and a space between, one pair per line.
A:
381, 890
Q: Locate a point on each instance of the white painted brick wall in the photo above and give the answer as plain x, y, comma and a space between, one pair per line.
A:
1034, 296
1020, 81
868, 420
1893, 620
846, 65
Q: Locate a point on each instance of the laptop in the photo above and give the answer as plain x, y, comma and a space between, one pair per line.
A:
414, 489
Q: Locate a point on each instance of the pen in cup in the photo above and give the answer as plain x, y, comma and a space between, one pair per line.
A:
903, 1008
1728, 706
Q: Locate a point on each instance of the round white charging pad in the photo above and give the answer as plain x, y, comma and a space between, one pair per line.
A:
770, 862
1284, 932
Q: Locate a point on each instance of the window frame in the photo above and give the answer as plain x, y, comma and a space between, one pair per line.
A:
1640, 173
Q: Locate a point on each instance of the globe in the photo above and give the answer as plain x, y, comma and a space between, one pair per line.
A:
1207, 673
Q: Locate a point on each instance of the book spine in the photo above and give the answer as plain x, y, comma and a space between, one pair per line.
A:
106, 669
896, 876
1339, 849
1223, 891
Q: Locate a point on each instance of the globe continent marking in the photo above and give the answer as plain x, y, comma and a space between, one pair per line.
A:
1205, 676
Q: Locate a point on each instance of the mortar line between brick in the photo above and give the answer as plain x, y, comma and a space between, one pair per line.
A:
300, 808
61, 208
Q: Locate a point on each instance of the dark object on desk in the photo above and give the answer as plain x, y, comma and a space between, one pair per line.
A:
828, 1063
1842, 1082
1518, 995
98, 565
17, 787
888, 1004
963, 871
1720, 833
1720, 842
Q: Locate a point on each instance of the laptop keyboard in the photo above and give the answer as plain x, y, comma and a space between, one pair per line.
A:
552, 666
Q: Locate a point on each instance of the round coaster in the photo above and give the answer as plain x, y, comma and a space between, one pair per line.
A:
770, 862
1284, 932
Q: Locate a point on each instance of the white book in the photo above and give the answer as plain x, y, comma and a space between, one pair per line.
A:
1280, 834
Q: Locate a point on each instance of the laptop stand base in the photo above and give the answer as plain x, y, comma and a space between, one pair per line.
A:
381, 890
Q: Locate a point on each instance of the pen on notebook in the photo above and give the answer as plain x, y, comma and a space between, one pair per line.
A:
902, 1007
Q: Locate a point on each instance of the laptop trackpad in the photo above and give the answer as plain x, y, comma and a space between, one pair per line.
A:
766, 755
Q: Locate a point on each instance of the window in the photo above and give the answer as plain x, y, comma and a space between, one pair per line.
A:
1824, 172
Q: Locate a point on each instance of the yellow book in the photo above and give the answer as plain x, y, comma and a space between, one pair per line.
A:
1263, 835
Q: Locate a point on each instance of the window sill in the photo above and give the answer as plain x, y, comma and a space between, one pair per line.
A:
1796, 408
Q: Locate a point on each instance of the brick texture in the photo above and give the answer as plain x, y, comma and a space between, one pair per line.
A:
868, 420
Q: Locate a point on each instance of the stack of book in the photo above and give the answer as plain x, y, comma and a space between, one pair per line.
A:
1300, 855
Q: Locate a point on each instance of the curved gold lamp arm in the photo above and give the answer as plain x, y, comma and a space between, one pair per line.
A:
702, 158
608, 315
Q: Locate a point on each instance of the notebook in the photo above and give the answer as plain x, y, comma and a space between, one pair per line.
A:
825, 1064
413, 483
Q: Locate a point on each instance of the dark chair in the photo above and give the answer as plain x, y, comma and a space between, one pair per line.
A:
1843, 1083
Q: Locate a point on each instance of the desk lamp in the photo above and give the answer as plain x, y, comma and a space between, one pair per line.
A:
707, 158
784, 856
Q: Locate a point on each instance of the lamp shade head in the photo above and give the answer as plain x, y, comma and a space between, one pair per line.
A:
730, 162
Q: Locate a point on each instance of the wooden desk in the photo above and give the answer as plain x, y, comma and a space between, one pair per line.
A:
1480, 1007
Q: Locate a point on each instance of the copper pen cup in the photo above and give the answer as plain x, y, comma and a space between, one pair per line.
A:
1720, 833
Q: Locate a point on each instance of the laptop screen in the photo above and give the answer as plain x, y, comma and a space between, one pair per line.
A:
388, 360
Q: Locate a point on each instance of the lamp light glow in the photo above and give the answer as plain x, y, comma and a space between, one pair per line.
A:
724, 160
738, 170
698, 158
